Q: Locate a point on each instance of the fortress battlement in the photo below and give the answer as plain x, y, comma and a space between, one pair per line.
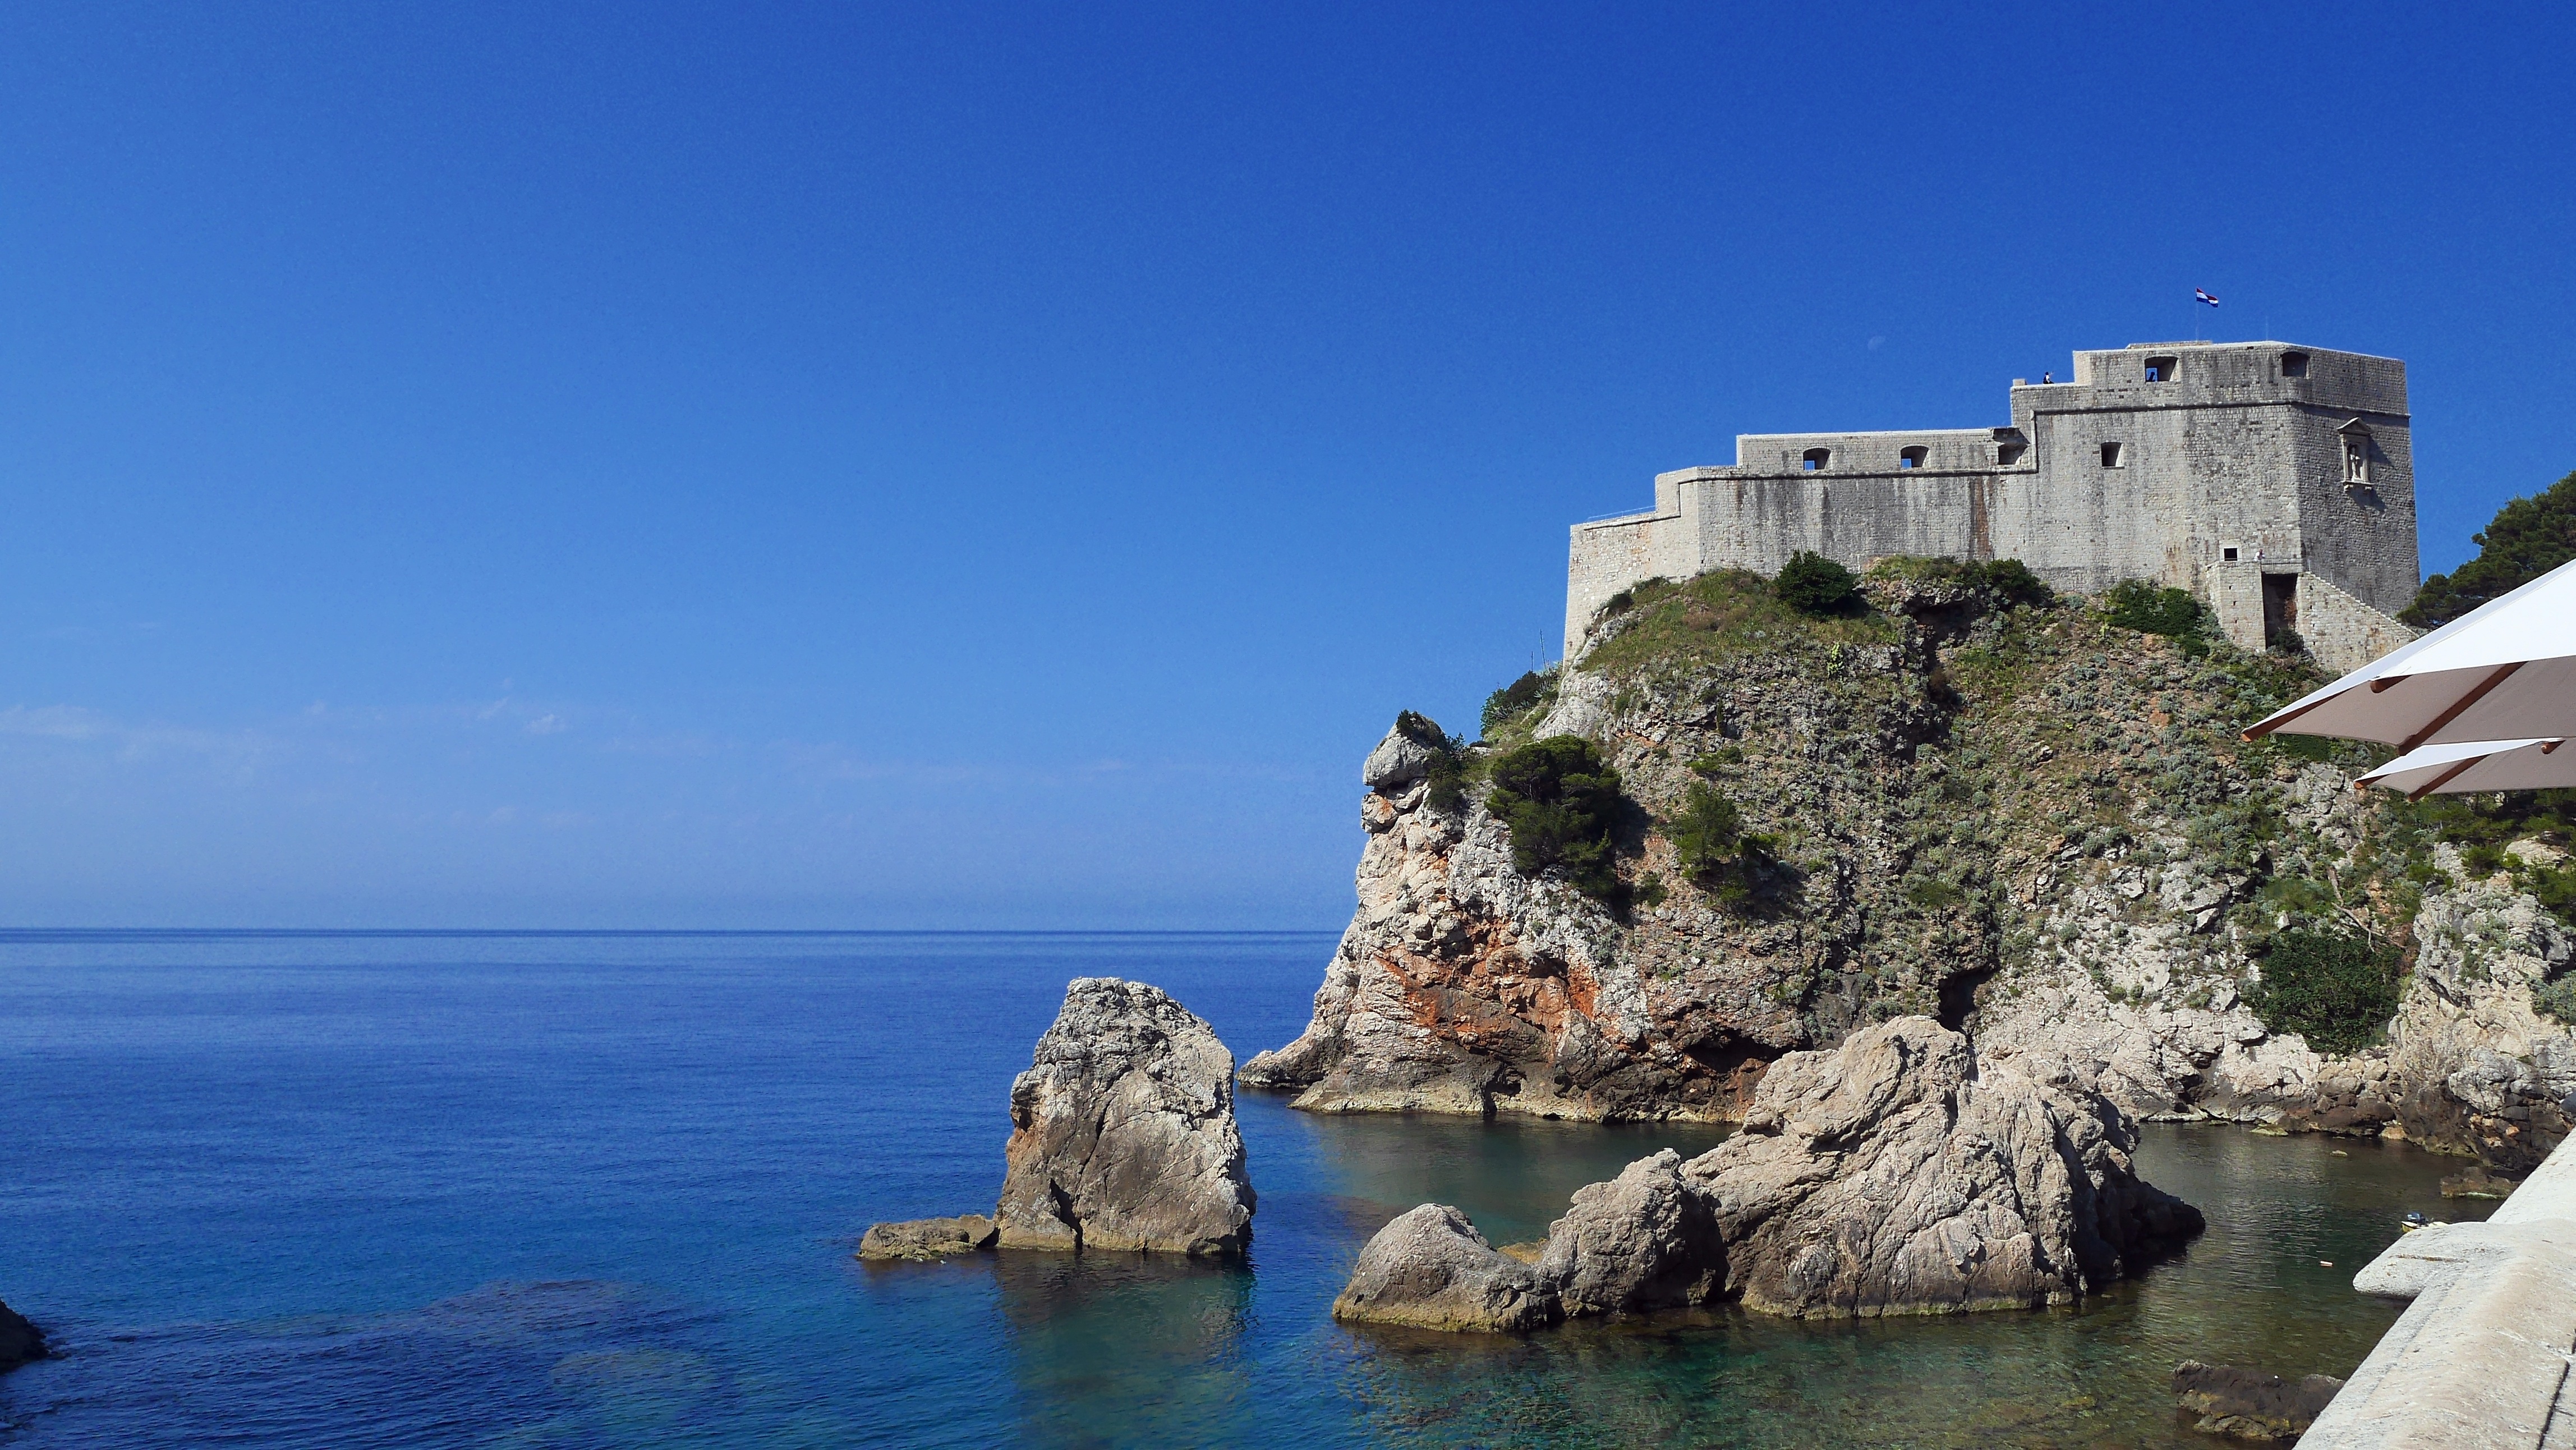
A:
2274, 481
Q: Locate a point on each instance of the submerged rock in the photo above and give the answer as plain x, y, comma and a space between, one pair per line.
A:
927, 1238
2476, 1182
1123, 1131
20, 1341
1896, 1175
2249, 1404
1431, 1269
1899, 1175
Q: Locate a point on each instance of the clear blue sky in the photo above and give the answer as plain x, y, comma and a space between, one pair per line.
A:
657, 465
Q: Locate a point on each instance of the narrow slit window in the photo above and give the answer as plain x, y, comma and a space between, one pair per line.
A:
2112, 456
1911, 457
2161, 369
2294, 365
1816, 458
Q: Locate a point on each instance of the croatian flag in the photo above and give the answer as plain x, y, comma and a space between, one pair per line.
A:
2205, 297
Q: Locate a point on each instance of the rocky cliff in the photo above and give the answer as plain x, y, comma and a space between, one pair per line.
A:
2016, 816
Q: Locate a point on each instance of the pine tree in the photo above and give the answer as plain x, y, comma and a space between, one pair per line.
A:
2529, 537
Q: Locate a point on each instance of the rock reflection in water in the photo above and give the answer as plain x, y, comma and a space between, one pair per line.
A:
1124, 1347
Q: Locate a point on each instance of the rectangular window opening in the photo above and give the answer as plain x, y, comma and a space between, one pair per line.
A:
2111, 457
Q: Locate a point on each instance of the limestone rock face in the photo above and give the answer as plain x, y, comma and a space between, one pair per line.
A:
1645, 1240
1123, 1132
1431, 1269
1898, 1175
19, 1340
1398, 761
927, 1238
1463, 986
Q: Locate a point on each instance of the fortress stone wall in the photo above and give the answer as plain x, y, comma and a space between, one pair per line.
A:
2276, 482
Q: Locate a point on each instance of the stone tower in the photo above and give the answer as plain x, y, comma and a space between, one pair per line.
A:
2275, 482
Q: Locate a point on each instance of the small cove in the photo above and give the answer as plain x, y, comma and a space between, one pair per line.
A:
587, 1190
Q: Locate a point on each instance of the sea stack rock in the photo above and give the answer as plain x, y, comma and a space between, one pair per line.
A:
19, 1340
1123, 1133
1898, 1175
1431, 1269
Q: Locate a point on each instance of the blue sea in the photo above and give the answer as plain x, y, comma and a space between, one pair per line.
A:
504, 1190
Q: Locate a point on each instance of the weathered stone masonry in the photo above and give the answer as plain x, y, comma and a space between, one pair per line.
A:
2276, 482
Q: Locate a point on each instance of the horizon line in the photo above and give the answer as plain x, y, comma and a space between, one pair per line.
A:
16, 933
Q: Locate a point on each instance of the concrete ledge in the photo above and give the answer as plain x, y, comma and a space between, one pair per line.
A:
2482, 1356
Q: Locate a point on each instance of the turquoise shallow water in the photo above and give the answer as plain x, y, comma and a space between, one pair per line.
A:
439, 1190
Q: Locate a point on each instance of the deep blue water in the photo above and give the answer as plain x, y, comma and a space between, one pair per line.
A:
576, 1190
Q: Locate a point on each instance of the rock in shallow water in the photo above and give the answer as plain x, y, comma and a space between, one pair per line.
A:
2249, 1404
1430, 1268
19, 1340
1896, 1175
1644, 1240
1123, 1131
1900, 1175
927, 1238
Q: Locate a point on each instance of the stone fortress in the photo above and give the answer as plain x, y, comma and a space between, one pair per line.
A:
2274, 482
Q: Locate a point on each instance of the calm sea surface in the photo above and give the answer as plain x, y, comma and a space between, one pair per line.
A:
519, 1191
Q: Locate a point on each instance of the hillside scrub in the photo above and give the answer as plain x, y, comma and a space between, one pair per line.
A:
1715, 851
2173, 613
2108, 725
2336, 990
1813, 584
1517, 699
1561, 803
2527, 538
1446, 777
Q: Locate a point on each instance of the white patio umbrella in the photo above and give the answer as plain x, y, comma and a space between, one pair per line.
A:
2476, 765
2504, 672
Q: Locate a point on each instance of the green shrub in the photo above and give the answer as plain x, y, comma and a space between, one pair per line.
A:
1448, 772
2012, 579
1814, 584
2557, 998
1561, 803
2336, 991
1718, 855
1720, 761
2527, 538
2307, 747
2139, 605
1514, 700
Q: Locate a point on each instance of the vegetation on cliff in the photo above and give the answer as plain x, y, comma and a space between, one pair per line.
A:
1965, 798
1980, 744
2528, 538
1562, 805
